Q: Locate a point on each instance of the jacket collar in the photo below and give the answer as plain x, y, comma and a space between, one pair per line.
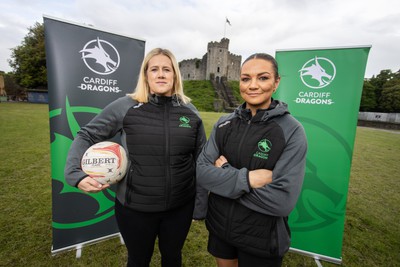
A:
162, 100
277, 108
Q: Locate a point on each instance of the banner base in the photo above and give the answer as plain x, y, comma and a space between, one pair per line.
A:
317, 257
318, 263
78, 251
79, 247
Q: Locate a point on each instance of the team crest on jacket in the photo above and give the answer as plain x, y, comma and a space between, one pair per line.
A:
184, 122
264, 146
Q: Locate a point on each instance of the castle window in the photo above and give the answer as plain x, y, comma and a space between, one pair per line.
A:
218, 69
220, 50
188, 75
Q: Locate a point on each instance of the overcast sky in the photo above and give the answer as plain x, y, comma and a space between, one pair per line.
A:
186, 26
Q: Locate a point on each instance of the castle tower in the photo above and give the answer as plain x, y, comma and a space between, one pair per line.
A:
216, 63
217, 58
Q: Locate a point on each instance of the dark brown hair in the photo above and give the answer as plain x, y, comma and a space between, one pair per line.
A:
265, 57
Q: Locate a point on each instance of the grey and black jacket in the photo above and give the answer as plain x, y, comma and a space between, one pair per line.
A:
254, 220
162, 138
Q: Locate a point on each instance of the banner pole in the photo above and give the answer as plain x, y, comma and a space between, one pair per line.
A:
318, 263
78, 251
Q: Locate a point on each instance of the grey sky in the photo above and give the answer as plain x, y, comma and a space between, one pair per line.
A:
185, 27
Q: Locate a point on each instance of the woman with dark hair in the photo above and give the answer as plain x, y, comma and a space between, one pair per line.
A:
162, 134
253, 166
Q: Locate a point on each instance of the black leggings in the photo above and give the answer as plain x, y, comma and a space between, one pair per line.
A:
140, 230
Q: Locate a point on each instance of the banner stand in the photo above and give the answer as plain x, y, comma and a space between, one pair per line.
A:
78, 251
79, 247
316, 257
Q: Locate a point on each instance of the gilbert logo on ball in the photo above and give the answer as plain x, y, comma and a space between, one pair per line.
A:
106, 162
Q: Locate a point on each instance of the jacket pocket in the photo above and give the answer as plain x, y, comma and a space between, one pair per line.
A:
129, 185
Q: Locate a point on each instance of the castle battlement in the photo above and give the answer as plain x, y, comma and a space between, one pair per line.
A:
189, 61
235, 56
224, 43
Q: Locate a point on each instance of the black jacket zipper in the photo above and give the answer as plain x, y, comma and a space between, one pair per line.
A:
167, 159
232, 206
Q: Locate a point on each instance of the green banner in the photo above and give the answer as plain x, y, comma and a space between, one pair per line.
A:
323, 90
87, 69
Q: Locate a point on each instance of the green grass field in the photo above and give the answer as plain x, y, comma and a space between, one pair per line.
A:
371, 237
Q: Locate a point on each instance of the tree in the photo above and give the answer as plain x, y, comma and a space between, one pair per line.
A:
379, 81
386, 85
390, 96
13, 90
28, 60
390, 99
368, 98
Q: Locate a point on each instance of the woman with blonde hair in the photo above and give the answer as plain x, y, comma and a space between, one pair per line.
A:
143, 89
162, 134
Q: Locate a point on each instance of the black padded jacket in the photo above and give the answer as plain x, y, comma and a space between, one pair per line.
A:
162, 138
254, 220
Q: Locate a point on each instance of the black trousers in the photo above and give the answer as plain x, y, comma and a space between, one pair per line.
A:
140, 230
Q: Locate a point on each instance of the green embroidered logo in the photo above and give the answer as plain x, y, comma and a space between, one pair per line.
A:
184, 122
264, 146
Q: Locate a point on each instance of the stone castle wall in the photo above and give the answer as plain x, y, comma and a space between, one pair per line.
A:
193, 69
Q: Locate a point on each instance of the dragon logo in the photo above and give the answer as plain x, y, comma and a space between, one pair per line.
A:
100, 56
318, 72
264, 145
184, 122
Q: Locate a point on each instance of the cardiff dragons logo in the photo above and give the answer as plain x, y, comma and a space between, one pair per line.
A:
318, 72
100, 56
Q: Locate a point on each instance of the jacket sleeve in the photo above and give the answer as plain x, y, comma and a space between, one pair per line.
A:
102, 127
279, 197
201, 201
227, 181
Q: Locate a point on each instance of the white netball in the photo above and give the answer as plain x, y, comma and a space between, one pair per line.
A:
106, 162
